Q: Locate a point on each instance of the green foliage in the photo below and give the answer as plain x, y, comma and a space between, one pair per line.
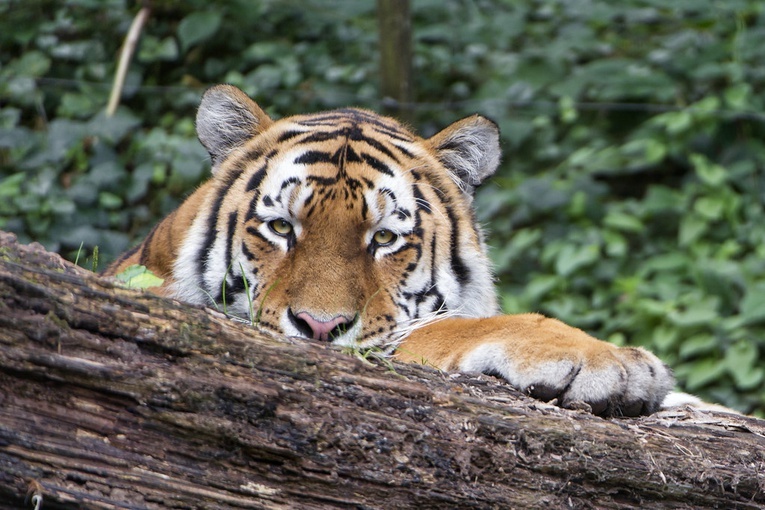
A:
630, 201
138, 277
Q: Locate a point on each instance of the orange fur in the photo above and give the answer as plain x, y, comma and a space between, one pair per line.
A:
527, 338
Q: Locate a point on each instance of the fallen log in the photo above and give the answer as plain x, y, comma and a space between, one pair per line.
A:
116, 398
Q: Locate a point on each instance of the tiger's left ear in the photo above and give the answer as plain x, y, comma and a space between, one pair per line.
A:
469, 149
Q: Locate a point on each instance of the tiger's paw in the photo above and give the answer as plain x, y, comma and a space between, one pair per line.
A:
546, 359
612, 381
623, 382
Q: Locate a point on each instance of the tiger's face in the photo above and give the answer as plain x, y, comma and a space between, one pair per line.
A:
341, 226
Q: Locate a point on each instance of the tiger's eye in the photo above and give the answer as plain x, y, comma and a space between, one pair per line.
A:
384, 237
281, 227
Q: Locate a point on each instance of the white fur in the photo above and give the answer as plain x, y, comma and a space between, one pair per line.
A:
492, 357
185, 286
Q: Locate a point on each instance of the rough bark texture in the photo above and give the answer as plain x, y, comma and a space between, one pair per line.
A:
111, 398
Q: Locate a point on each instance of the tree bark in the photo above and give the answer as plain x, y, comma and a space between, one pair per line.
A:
395, 43
113, 398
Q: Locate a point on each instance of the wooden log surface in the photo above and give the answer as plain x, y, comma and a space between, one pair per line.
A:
114, 398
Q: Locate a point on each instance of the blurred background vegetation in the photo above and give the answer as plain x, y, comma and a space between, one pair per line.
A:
629, 202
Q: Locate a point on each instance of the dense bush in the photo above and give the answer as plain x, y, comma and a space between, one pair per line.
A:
630, 201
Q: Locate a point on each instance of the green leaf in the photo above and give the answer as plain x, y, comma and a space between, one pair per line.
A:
10, 187
154, 50
671, 261
753, 305
109, 200
737, 96
138, 277
677, 122
702, 313
665, 337
703, 343
572, 258
198, 27
567, 108
624, 222
704, 372
692, 228
539, 287
616, 244
33, 64
711, 208
710, 173
740, 360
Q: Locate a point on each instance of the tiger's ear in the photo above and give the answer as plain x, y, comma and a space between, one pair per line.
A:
226, 119
469, 149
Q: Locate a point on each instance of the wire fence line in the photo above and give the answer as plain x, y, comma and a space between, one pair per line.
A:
496, 102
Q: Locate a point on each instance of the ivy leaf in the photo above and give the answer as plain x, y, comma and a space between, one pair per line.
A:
572, 258
740, 359
704, 372
753, 305
710, 173
138, 277
198, 27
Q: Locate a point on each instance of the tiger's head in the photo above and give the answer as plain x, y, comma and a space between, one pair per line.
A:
340, 226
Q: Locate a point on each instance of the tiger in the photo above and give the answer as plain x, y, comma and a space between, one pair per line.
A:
345, 227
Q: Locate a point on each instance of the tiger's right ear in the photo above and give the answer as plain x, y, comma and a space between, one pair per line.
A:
469, 149
226, 119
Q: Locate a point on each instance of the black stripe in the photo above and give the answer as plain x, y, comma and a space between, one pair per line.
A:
312, 157
287, 135
351, 156
393, 133
389, 192
460, 270
357, 116
235, 289
257, 178
402, 213
322, 181
377, 164
404, 151
212, 221
433, 267
248, 254
233, 217
433, 185
146, 246
356, 134
321, 136
421, 203
309, 199
291, 180
380, 147
251, 214
252, 154
254, 232
247, 157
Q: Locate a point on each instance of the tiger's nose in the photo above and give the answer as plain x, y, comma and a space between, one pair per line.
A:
319, 329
